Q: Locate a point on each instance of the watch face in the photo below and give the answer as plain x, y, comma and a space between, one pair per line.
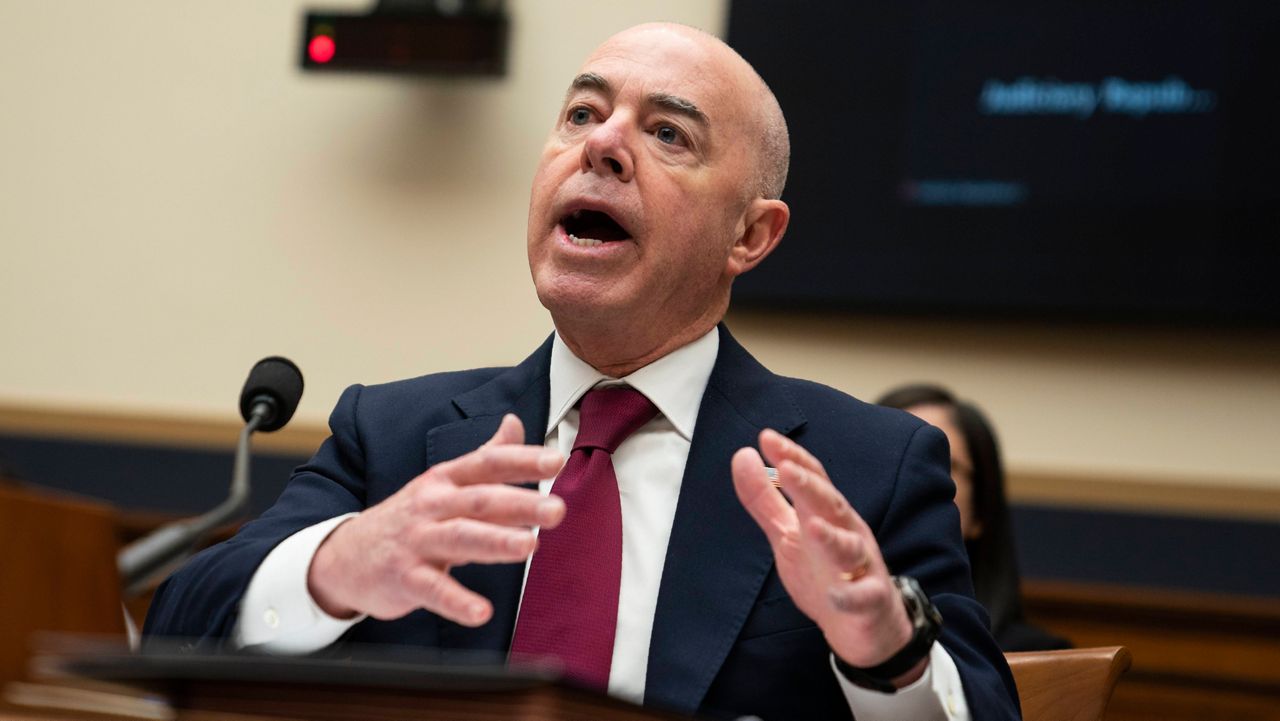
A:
911, 596
921, 611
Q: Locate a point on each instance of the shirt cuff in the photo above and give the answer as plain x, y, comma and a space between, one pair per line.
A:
938, 695
278, 614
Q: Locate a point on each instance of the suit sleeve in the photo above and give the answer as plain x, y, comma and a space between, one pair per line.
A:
919, 536
200, 602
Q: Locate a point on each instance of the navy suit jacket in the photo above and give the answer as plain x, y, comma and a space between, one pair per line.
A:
727, 640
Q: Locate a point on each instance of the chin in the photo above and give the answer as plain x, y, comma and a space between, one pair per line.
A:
569, 298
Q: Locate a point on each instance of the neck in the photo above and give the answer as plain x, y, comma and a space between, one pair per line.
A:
617, 354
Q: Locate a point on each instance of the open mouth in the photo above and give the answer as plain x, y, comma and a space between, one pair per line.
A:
591, 227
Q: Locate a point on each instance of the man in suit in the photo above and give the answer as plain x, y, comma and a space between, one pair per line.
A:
701, 579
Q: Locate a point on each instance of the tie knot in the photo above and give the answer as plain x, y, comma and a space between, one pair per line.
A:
609, 415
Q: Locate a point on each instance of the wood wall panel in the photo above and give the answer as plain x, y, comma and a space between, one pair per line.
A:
1196, 657
58, 557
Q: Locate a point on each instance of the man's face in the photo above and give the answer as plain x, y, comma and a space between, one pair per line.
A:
640, 192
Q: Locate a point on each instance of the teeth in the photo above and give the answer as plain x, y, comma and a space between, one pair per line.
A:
584, 242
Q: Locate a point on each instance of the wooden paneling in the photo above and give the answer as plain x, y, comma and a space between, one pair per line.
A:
59, 561
1257, 499
1196, 657
154, 430
1216, 497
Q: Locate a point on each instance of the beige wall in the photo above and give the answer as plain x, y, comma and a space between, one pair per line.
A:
179, 200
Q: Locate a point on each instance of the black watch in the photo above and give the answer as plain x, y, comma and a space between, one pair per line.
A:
926, 624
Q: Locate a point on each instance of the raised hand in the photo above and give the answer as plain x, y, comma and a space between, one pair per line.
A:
395, 557
825, 553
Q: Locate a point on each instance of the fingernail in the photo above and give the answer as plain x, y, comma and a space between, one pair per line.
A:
477, 611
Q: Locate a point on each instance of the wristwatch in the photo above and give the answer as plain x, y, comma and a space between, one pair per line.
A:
926, 624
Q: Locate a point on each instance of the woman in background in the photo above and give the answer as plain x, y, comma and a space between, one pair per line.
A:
984, 513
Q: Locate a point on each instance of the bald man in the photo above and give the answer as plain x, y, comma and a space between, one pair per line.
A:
748, 544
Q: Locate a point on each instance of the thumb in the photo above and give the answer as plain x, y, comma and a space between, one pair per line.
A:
757, 494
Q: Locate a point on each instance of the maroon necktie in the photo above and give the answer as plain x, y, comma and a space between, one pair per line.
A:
570, 604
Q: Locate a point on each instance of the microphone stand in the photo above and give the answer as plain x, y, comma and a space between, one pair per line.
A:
140, 561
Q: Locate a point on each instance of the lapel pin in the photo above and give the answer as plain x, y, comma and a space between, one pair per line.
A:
772, 473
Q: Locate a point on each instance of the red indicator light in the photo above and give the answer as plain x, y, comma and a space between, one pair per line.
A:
321, 49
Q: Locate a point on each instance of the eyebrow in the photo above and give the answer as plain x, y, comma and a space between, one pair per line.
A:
666, 101
589, 81
679, 106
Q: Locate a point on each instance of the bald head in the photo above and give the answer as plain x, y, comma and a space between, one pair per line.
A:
763, 114
657, 187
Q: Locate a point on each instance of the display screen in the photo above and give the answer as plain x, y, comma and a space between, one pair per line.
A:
1112, 160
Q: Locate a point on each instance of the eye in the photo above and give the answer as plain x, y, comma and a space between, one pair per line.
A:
579, 116
669, 135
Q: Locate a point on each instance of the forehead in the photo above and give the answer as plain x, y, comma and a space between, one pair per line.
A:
942, 417
658, 60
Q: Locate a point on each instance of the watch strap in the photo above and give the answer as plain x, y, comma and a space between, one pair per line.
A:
926, 623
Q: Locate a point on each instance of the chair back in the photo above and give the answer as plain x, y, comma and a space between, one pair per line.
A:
1070, 685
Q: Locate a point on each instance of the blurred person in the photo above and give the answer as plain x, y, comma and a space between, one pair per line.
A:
985, 520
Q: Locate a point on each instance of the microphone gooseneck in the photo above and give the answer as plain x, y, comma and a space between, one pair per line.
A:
267, 402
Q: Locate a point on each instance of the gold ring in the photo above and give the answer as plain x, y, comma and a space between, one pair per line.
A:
855, 574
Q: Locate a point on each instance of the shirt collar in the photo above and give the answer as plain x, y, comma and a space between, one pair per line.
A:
675, 382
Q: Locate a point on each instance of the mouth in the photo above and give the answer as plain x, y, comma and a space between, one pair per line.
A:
587, 228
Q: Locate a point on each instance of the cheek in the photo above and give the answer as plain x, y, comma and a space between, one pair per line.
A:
964, 502
707, 223
550, 172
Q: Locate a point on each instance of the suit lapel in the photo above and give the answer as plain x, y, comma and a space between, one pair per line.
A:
523, 390
717, 558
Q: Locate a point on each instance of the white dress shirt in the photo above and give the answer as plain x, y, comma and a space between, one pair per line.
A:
279, 615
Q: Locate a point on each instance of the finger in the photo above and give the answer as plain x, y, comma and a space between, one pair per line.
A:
844, 551
821, 496
497, 504
464, 540
757, 494
510, 430
508, 463
440, 593
777, 448
814, 495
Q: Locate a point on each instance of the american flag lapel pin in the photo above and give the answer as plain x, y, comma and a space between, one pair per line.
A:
772, 473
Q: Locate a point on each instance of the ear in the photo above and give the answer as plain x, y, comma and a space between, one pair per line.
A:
764, 222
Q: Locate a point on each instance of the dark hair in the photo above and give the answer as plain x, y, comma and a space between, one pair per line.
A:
992, 554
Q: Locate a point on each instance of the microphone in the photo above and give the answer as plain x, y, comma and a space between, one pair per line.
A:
277, 383
267, 402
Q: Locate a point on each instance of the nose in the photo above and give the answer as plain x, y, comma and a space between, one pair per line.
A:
607, 150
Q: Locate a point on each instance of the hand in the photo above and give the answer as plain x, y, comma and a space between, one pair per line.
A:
395, 556
825, 554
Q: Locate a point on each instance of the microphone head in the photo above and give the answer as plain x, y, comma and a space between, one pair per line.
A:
277, 381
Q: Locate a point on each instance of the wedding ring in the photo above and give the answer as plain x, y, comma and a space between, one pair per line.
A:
855, 574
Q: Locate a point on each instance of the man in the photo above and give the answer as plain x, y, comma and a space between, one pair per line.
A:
697, 585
